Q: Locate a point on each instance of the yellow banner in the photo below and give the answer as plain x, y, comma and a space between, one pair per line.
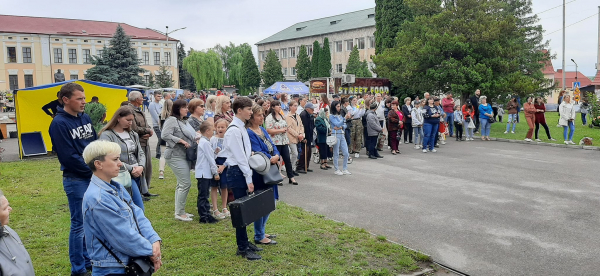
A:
29, 103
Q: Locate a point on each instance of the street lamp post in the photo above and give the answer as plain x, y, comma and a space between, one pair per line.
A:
167, 32
576, 70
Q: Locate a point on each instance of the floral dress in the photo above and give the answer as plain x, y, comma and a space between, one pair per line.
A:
281, 138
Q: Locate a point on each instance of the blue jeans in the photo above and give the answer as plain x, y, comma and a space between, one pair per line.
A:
468, 131
136, 196
418, 135
430, 131
584, 118
450, 121
570, 129
485, 127
259, 227
512, 119
341, 141
78, 255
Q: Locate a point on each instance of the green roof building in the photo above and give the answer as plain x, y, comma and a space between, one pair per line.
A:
344, 32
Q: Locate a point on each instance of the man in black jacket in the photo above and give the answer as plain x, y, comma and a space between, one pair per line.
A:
475, 101
309, 125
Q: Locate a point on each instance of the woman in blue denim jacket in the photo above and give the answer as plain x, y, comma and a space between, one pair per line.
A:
109, 216
338, 127
261, 142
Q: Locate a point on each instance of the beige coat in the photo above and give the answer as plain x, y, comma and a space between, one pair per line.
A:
295, 127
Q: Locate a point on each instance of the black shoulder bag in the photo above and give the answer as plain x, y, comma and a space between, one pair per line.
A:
137, 266
191, 153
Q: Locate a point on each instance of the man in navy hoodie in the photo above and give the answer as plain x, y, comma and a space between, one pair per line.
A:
71, 131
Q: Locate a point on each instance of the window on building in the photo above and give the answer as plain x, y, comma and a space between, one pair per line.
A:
283, 53
57, 55
156, 58
74, 77
338, 68
349, 44
146, 56
261, 55
338, 46
293, 71
72, 56
26, 56
12, 54
371, 15
87, 56
276, 52
13, 82
361, 43
292, 52
371, 42
28, 81
147, 79
168, 58
99, 52
284, 71
309, 50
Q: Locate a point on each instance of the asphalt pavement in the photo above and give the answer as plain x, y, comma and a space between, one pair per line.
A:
483, 208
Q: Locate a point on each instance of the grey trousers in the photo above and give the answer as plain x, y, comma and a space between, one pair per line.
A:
181, 169
293, 155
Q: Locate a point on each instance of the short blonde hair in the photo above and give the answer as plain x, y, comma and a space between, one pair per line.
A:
219, 106
97, 150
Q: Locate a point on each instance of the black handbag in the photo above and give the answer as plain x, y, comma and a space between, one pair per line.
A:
137, 266
491, 120
191, 153
273, 176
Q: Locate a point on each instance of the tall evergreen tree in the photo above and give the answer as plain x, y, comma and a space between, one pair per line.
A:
185, 79
272, 72
356, 67
151, 81
325, 60
250, 73
389, 16
118, 64
303, 65
314, 66
164, 78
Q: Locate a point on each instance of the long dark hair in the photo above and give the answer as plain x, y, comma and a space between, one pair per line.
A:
177, 105
334, 108
272, 111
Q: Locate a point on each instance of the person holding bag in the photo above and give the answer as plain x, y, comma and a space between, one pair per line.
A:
469, 114
180, 137
260, 141
278, 127
323, 130
567, 119
132, 156
118, 236
338, 123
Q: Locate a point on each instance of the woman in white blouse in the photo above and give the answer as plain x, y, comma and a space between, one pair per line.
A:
567, 119
277, 128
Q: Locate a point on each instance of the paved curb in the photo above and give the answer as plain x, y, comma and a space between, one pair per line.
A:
545, 144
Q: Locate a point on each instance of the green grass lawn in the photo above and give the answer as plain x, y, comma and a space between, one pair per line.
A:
556, 132
309, 244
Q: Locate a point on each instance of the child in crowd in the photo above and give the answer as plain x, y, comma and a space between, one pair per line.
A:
442, 132
206, 171
458, 122
417, 123
217, 145
500, 113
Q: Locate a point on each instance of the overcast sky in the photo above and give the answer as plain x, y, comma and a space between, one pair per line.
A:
210, 22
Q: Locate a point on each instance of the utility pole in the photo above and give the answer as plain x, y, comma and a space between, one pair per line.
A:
564, 67
598, 61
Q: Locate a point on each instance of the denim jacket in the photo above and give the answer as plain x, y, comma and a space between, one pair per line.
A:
337, 121
107, 216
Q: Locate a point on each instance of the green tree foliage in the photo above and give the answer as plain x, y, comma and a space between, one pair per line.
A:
118, 64
356, 67
316, 56
250, 73
272, 72
325, 60
185, 79
303, 65
468, 45
151, 81
164, 78
206, 68
232, 57
97, 113
389, 16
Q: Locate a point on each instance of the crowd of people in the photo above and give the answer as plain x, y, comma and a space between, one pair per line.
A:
107, 175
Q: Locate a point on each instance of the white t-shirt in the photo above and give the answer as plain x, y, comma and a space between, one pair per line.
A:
131, 147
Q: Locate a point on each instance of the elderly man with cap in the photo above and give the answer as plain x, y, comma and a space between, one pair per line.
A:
309, 124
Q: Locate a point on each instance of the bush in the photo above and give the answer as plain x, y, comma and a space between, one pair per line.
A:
97, 112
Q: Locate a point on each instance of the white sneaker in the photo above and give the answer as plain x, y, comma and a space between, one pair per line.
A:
424, 151
443, 142
528, 140
571, 142
433, 150
512, 132
178, 217
506, 132
566, 142
189, 215
346, 172
538, 140
552, 139
389, 147
416, 146
356, 155
161, 175
338, 172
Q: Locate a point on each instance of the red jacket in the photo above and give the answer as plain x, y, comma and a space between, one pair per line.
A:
466, 113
